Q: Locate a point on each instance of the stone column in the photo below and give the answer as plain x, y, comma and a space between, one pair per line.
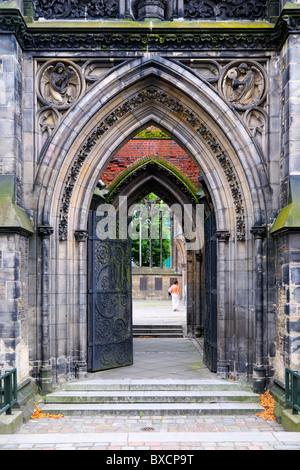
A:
45, 371
222, 366
81, 366
259, 374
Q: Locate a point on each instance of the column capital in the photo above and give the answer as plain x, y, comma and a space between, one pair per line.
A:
45, 231
81, 235
223, 235
259, 231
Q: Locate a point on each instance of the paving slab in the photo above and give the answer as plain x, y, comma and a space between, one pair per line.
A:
179, 363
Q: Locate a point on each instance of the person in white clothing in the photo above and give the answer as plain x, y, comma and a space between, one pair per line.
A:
175, 296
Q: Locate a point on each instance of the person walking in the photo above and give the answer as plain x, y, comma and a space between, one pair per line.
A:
175, 296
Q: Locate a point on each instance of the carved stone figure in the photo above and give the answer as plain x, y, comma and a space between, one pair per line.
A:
243, 85
60, 84
60, 88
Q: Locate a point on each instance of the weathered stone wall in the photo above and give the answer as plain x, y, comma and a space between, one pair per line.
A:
14, 347
11, 101
148, 276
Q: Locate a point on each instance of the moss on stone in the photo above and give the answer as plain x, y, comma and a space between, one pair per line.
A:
289, 217
160, 162
152, 134
12, 217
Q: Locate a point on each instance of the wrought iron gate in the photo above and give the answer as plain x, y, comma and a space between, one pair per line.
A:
110, 304
210, 323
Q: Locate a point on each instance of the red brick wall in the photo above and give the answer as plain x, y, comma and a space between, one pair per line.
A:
136, 149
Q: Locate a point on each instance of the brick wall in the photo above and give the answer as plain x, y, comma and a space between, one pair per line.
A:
136, 149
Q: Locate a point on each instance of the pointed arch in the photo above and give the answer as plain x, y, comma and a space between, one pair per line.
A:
154, 90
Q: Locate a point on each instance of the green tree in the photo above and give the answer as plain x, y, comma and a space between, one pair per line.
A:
149, 209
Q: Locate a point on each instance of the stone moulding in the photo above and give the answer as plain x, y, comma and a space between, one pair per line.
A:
189, 117
72, 36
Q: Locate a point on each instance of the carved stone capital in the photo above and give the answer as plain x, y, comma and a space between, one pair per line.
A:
81, 235
259, 231
223, 235
45, 231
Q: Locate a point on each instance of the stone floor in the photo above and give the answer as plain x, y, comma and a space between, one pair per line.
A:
154, 359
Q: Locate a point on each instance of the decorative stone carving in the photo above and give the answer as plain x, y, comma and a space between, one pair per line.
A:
30, 39
45, 231
259, 231
81, 235
256, 120
209, 71
60, 84
203, 9
243, 84
238, 9
47, 120
223, 235
76, 9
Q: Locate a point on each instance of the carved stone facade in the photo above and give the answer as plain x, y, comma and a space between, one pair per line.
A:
141, 9
79, 79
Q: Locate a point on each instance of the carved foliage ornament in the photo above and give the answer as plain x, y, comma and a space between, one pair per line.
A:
239, 9
187, 115
200, 9
76, 9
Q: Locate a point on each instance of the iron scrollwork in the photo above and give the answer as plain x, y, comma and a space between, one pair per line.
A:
110, 331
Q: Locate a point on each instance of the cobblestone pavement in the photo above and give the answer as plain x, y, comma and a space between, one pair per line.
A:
154, 433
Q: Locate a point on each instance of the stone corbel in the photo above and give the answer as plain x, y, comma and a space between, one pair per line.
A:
81, 235
223, 235
45, 231
259, 231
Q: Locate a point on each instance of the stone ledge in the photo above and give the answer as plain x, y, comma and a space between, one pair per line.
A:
290, 422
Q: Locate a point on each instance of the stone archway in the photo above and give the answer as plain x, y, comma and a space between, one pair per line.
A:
145, 91
152, 174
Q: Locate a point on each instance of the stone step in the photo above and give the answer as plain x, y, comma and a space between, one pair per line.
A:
141, 396
156, 335
139, 409
161, 397
160, 326
158, 331
155, 385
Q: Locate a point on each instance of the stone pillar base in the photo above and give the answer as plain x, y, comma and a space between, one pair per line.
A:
259, 380
45, 380
81, 370
223, 369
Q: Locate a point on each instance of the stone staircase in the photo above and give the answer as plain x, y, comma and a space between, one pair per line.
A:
158, 331
151, 397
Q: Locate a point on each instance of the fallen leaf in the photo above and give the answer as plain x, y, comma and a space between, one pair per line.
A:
37, 414
268, 402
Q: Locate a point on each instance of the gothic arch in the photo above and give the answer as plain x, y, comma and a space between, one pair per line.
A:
116, 107
151, 90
